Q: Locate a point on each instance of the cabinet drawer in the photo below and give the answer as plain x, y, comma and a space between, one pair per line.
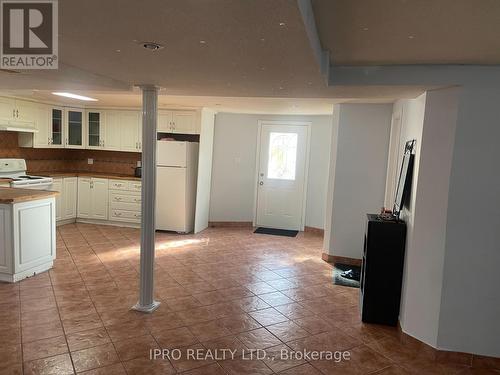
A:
135, 185
135, 207
124, 215
118, 184
124, 198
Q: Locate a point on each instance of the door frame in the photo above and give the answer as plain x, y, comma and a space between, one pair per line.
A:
307, 124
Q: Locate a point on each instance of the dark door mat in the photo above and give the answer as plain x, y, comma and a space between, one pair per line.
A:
277, 232
340, 269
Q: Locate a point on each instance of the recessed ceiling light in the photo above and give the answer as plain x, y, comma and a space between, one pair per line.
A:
75, 96
118, 50
365, 28
410, 37
153, 46
282, 24
203, 42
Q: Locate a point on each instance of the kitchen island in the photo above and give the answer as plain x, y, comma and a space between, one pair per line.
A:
27, 232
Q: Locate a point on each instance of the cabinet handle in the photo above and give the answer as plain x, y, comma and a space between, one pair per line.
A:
140, 145
118, 199
137, 200
13, 113
17, 113
118, 214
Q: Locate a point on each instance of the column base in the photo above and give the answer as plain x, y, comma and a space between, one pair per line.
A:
146, 309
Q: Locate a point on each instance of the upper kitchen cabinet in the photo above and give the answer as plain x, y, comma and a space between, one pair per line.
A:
17, 113
74, 128
181, 122
49, 126
7, 109
123, 131
56, 127
95, 130
185, 122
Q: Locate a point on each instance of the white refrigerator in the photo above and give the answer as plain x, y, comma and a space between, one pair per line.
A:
176, 176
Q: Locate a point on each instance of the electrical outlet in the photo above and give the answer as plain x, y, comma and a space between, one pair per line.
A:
139, 163
90, 161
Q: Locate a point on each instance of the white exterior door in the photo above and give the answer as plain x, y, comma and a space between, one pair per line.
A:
282, 174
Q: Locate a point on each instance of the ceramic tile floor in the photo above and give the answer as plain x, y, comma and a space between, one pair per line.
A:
225, 288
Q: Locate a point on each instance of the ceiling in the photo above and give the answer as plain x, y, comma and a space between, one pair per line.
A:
256, 49
382, 32
256, 105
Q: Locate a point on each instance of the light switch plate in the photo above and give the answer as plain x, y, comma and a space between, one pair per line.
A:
90, 161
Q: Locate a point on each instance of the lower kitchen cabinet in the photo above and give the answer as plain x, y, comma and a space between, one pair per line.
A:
125, 201
66, 200
92, 198
69, 197
99, 199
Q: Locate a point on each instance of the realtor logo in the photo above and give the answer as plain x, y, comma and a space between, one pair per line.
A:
29, 34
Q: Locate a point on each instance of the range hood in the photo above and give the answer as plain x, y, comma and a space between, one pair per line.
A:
25, 128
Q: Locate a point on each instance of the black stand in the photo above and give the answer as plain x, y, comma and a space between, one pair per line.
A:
382, 270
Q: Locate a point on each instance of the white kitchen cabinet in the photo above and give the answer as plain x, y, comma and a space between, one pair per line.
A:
84, 198
99, 198
164, 124
7, 109
17, 112
184, 122
69, 197
28, 238
130, 127
74, 128
42, 124
112, 133
26, 112
92, 198
56, 127
57, 185
123, 131
125, 201
181, 122
95, 133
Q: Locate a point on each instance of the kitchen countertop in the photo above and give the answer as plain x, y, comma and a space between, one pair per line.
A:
87, 174
10, 195
8, 180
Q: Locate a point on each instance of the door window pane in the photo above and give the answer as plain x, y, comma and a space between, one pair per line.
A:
282, 156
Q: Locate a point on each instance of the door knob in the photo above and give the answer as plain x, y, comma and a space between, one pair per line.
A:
261, 183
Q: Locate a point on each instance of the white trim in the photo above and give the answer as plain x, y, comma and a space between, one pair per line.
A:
306, 167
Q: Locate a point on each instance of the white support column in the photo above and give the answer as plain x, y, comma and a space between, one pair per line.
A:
149, 118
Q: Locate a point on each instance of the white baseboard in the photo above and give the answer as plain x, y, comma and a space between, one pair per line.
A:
27, 273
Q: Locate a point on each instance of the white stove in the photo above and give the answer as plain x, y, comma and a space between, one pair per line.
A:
16, 170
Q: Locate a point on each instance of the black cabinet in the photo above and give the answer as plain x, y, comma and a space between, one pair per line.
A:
382, 270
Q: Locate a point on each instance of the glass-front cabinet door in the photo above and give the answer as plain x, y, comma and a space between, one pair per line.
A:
74, 128
95, 129
56, 127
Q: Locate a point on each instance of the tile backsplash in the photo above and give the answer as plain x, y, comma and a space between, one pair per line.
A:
59, 160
